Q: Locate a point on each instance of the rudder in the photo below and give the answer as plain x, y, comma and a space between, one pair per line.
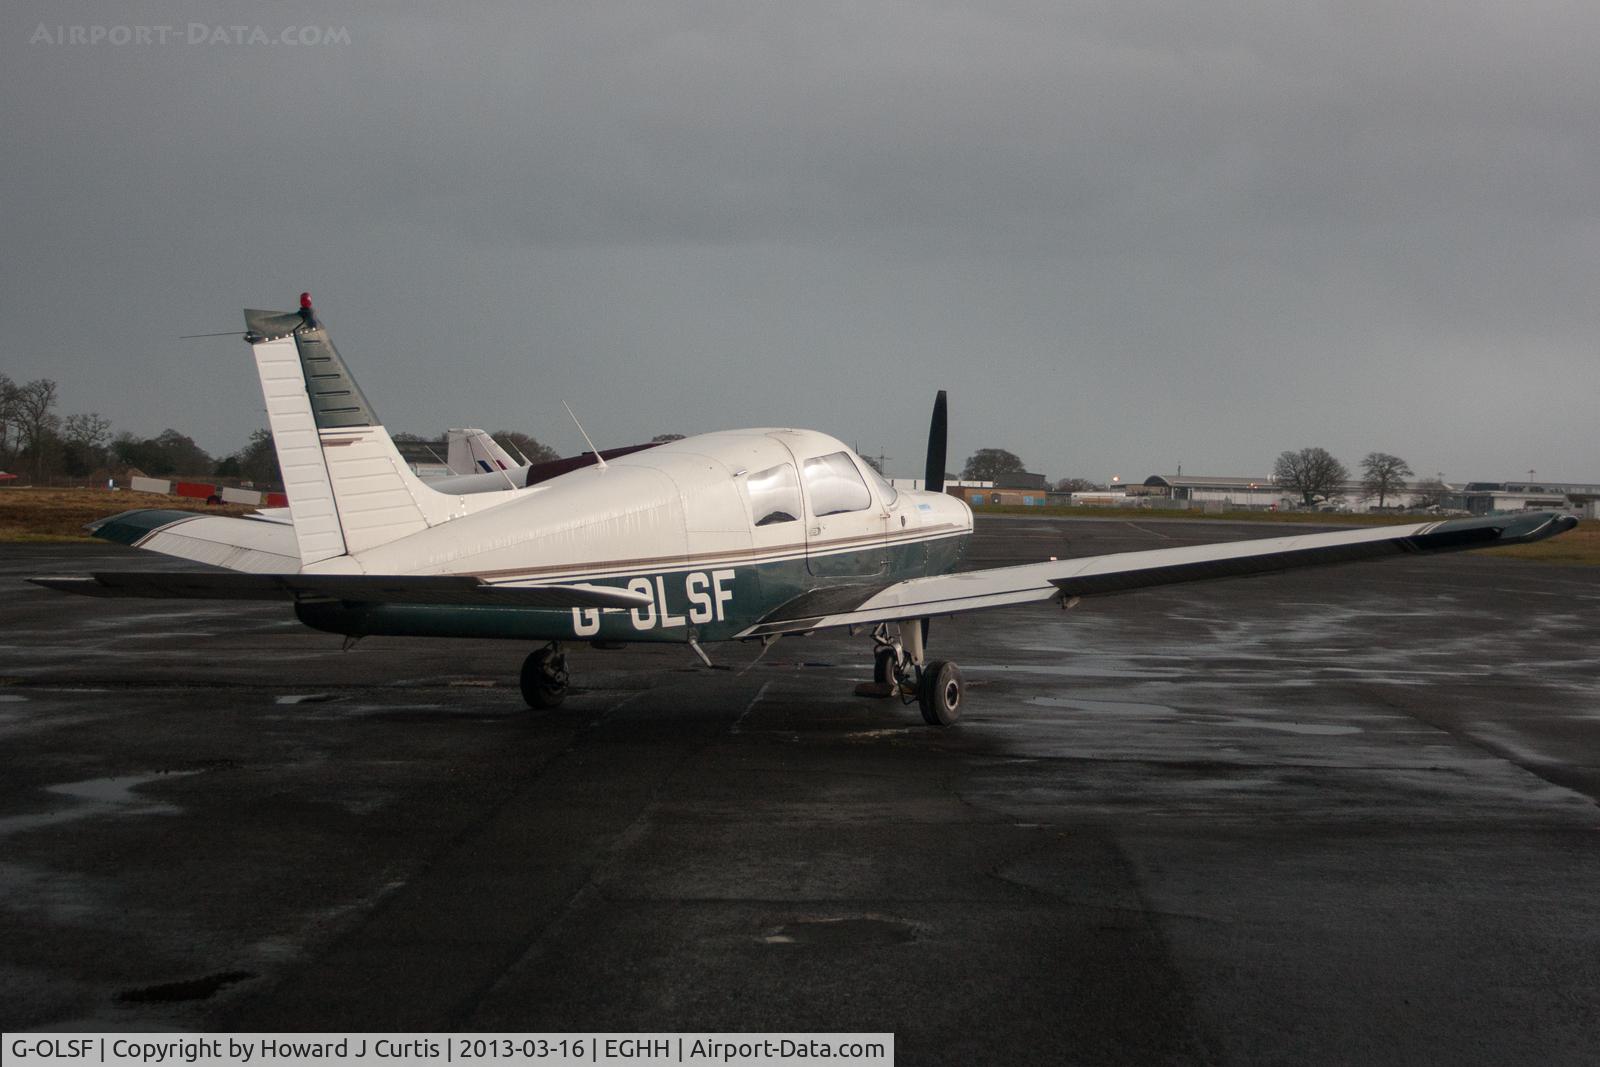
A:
348, 488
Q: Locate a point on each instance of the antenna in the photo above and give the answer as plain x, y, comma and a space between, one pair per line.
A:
508, 442
598, 458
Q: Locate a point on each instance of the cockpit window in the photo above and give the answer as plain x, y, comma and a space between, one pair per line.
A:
834, 485
774, 495
885, 490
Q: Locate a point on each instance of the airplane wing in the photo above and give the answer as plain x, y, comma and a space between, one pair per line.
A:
950, 594
365, 588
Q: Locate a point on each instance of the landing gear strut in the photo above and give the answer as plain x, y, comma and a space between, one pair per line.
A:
544, 677
898, 669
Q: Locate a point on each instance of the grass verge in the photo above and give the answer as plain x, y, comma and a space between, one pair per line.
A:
33, 516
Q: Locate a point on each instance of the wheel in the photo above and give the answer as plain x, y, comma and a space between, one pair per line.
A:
544, 678
883, 681
883, 666
939, 693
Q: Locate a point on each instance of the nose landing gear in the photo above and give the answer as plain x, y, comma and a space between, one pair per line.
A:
898, 669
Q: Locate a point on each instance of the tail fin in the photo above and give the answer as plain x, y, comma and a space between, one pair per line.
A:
348, 488
475, 452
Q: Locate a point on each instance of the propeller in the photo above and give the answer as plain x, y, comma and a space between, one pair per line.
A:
938, 430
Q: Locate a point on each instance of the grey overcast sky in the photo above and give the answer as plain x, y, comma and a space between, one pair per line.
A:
1124, 235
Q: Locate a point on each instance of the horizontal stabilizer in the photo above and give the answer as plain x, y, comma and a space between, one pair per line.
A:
239, 544
359, 588
950, 594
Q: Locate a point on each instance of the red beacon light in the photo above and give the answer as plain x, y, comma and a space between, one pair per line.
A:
305, 301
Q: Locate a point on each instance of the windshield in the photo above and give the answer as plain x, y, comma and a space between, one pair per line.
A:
889, 493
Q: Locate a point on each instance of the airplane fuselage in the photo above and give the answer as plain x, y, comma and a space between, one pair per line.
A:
718, 530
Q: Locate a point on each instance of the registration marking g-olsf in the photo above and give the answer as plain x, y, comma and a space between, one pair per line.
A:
704, 590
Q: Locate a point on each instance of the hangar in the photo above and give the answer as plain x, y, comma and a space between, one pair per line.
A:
1222, 491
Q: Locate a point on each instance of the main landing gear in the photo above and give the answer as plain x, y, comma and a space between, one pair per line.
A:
899, 669
544, 677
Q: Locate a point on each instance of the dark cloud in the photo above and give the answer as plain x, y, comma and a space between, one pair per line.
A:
1125, 235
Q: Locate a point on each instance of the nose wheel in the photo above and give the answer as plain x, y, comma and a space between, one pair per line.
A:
544, 677
898, 670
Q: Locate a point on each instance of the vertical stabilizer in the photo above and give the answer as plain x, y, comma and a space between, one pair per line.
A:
472, 451
348, 488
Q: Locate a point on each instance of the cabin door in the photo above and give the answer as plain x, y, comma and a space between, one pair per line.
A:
847, 528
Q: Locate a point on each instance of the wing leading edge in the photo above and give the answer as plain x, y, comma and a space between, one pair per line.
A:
950, 594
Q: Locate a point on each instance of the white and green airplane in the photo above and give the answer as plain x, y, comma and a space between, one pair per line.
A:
740, 535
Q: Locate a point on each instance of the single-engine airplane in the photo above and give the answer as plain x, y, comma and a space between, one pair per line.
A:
732, 536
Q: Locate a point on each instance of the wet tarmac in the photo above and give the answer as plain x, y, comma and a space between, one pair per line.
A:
1345, 815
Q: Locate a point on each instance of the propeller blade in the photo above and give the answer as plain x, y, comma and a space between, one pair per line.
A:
938, 430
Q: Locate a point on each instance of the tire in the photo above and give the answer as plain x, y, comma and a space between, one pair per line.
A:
544, 683
939, 693
883, 666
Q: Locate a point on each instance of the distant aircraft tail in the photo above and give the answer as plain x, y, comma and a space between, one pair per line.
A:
348, 488
473, 451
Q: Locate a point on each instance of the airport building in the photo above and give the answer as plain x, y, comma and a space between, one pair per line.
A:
1490, 498
1223, 492
1479, 498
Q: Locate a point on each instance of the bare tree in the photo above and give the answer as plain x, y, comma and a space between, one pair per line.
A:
1383, 476
36, 423
8, 416
83, 443
1311, 472
90, 429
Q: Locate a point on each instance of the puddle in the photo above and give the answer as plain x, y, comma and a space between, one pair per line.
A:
11, 698
307, 698
895, 732
852, 931
1076, 671
97, 796
193, 989
1114, 707
1309, 729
